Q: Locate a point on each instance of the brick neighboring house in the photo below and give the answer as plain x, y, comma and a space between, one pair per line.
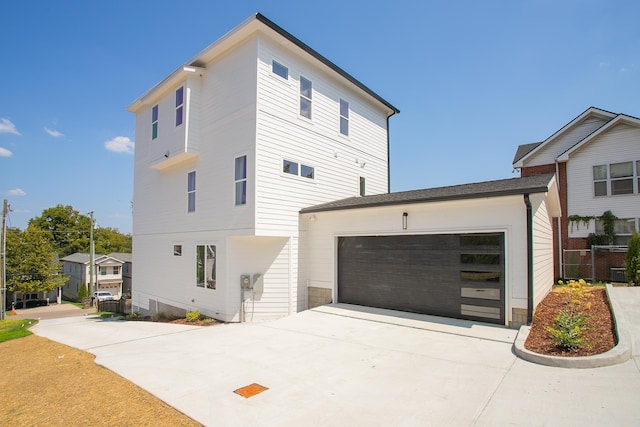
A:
596, 158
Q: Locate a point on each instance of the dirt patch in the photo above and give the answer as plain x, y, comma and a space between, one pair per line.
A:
599, 334
46, 383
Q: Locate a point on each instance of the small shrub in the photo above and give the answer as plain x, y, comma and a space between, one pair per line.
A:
134, 315
159, 316
569, 326
633, 260
193, 316
82, 292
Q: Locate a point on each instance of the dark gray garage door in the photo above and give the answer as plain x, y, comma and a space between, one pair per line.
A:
452, 275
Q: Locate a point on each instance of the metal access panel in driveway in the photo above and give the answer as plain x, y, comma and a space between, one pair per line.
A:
451, 275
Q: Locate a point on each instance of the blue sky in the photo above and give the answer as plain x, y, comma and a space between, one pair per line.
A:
473, 80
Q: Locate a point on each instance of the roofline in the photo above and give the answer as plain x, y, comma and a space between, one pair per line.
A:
195, 63
519, 163
495, 193
602, 129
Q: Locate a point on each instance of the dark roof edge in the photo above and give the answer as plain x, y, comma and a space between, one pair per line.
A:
275, 27
496, 193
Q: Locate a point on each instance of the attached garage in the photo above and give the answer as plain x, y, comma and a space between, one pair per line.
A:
451, 275
481, 252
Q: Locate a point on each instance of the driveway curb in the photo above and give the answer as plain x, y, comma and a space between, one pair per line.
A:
618, 354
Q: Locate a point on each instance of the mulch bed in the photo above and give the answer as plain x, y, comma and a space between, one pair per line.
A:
599, 333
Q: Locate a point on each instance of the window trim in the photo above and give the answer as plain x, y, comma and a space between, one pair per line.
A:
180, 106
191, 192
609, 180
299, 166
154, 122
242, 180
284, 67
206, 283
342, 117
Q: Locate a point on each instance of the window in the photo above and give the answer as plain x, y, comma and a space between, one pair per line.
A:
294, 168
154, 122
103, 271
191, 192
616, 178
623, 229
179, 105
206, 266
177, 250
362, 186
344, 117
305, 97
279, 70
116, 270
241, 180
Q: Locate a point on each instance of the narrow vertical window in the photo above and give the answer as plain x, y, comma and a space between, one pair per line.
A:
306, 92
362, 186
344, 117
154, 122
241, 180
206, 266
191, 192
600, 176
179, 105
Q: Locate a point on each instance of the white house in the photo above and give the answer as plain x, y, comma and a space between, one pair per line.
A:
229, 148
479, 251
107, 274
596, 157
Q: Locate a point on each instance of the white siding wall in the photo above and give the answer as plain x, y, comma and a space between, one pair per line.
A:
542, 248
283, 134
319, 232
563, 142
620, 144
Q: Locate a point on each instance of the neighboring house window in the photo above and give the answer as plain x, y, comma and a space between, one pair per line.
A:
103, 271
362, 186
615, 179
154, 122
206, 266
305, 97
240, 181
294, 168
344, 117
623, 229
191, 192
177, 250
279, 70
116, 270
179, 105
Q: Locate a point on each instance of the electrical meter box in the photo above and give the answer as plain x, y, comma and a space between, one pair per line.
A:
245, 282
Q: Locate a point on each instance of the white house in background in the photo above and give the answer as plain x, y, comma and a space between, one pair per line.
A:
596, 158
229, 148
127, 270
479, 251
107, 274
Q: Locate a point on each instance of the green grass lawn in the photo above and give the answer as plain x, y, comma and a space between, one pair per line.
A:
15, 328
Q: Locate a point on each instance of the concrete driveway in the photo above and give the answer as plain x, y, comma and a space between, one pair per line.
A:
343, 365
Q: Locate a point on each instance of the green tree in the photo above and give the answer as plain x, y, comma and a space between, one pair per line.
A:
633, 260
109, 240
66, 228
31, 263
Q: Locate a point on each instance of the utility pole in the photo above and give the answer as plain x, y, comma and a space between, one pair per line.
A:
3, 264
91, 255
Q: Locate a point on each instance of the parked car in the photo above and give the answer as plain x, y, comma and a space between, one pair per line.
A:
102, 296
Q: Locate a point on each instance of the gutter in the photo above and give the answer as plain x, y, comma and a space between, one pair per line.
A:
530, 306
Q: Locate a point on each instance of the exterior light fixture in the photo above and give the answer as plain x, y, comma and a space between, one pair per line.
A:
405, 215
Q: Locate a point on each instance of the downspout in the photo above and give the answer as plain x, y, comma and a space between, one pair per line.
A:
559, 220
530, 307
388, 156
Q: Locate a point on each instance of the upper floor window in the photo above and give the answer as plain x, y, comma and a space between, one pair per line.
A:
362, 186
615, 178
344, 117
177, 250
241, 180
116, 270
294, 168
191, 192
206, 266
154, 122
103, 271
179, 106
279, 70
306, 92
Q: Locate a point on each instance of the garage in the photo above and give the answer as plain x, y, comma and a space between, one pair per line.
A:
451, 275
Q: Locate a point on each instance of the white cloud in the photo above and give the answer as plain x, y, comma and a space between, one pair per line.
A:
120, 144
16, 192
5, 153
53, 133
7, 127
